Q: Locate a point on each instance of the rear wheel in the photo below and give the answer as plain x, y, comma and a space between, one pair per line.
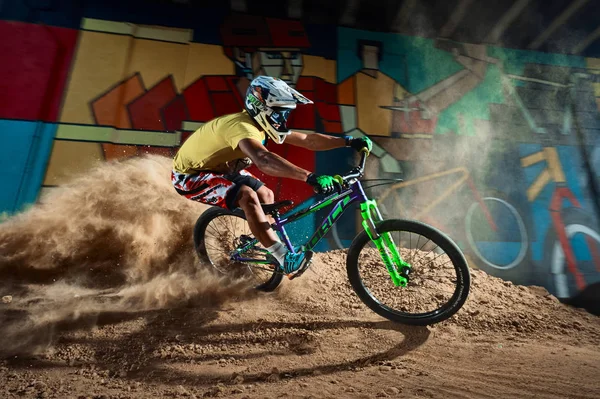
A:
439, 279
217, 233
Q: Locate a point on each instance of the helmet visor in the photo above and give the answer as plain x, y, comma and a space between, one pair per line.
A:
278, 119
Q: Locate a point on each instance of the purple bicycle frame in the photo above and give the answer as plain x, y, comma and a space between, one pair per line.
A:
354, 193
343, 200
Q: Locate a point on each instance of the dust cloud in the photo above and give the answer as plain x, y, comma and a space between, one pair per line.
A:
115, 240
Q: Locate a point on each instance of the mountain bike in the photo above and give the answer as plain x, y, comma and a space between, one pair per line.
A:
382, 263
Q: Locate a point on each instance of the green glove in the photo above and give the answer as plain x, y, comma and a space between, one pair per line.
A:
361, 142
323, 184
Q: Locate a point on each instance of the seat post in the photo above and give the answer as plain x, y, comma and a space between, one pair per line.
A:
276, 218
279, 228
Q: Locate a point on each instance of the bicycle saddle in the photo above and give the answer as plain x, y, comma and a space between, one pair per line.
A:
272, 208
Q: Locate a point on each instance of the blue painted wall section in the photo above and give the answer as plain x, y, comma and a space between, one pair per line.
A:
24, 151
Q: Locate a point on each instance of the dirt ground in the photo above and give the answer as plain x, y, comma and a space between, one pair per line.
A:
103, 298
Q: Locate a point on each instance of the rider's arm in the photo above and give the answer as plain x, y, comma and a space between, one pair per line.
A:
270, 163
315, 141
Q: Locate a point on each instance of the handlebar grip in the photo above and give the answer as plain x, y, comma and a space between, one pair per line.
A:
339, 180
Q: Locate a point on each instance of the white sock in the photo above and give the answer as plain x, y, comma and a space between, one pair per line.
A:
278, 250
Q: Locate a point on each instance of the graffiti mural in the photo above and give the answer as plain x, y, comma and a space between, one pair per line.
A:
499, 148
198, 82
483, 142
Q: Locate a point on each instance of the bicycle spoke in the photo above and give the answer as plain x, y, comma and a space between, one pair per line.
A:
438, 257
229, 227
441, 263
216, 248
415, 249
410, 245
214, 229
423, 246
235, 225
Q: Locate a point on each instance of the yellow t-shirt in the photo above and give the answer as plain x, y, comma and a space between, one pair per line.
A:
215, 143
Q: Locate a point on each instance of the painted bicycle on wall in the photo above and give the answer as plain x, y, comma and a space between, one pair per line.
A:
486, 220
571, 247
404, 270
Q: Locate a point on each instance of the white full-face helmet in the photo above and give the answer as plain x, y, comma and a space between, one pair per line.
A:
269, 101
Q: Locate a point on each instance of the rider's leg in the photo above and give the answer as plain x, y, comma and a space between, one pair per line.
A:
265, 195
246, 192
249, 201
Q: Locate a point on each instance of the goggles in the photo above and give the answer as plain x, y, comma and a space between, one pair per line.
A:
279, 117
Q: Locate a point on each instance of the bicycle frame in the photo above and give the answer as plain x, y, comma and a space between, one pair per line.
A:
398, 268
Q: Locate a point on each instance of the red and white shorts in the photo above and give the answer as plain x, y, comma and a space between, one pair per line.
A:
214, 188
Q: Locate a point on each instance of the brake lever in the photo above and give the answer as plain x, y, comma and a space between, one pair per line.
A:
341, 183
339, 179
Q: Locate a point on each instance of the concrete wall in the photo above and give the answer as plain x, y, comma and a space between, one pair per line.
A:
499, 148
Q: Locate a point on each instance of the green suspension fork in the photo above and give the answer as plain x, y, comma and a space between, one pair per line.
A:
396, 267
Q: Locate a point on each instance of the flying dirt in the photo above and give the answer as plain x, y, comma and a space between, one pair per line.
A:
104, 297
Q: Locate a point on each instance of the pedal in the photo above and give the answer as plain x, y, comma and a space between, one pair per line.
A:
274, 263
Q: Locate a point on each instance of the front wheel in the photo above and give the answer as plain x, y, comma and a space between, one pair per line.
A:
439, 279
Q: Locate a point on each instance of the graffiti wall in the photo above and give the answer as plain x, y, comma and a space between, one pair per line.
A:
499, 148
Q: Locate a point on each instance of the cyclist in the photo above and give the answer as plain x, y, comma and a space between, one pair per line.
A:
210, 167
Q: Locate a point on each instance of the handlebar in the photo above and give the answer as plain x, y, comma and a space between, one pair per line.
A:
357, 172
